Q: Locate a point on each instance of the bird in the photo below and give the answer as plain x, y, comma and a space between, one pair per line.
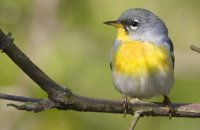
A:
142, 56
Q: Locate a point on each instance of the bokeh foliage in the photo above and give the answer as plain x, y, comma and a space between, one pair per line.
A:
67, 39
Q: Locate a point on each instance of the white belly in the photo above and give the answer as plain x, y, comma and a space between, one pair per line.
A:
144, 86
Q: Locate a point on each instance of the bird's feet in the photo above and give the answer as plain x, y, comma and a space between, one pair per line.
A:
126, 105
169, 105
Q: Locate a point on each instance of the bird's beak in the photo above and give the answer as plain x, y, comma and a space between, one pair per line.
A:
112, 23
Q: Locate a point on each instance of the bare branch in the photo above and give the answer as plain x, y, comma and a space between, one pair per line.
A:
195, 48
136, 117
86, 104
18, 98
35, 106
37, 75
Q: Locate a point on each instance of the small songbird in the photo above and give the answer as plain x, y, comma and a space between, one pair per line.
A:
142, 58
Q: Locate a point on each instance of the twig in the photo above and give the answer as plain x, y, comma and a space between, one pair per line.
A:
195, 48
136, 117
18, 98
35, 106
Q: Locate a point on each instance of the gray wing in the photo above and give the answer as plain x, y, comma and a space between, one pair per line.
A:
111, 65
113, 51
172, 51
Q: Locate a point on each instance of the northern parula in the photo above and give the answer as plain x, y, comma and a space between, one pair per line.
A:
142, 58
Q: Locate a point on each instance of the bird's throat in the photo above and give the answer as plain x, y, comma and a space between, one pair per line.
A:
121, 33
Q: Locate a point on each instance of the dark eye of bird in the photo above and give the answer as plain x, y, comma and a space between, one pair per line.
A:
134, 23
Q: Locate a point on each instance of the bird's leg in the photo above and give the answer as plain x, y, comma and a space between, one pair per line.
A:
168, 104
126, 105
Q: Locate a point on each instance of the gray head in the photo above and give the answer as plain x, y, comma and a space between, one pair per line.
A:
143, 25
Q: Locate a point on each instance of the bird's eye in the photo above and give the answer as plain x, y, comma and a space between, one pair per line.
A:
134, 24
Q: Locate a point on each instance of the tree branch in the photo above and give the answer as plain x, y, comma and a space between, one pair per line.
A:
35, 106
37, 75
136, 117
18, 98
63, 99
87, 104
195, 48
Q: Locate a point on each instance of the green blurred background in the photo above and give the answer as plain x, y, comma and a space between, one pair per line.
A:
67, 39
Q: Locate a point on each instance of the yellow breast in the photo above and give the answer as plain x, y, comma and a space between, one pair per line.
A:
133, 57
